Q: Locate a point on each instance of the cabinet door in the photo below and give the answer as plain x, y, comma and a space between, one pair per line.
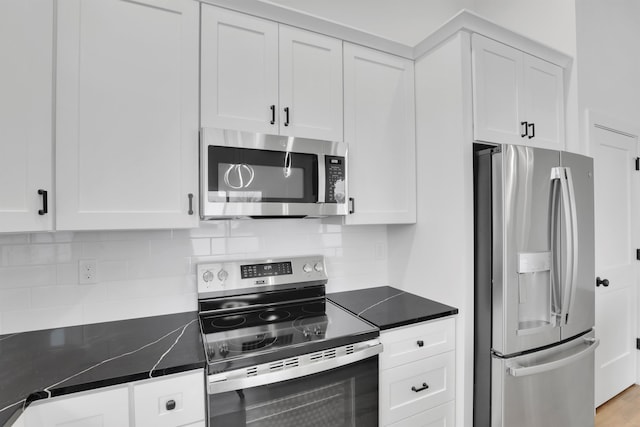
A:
543, 97
127, 114
497, 77
380, 130
239, 71
310, 85
108, 408
26, 48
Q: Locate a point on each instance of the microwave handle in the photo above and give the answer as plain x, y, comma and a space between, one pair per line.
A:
322, 180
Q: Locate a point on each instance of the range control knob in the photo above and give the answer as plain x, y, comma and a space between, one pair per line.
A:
207, 276
223, 349
222, 275
318, 267
307, 268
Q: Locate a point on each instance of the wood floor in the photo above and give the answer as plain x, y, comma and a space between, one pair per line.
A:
621, 411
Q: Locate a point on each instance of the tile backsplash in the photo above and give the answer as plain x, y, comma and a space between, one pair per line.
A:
146, 273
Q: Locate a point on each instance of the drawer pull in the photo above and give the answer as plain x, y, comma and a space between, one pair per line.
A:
424, 387
171, 405
420, 343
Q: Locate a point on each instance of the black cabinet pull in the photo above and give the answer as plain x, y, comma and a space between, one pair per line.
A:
190, 204
45, 202
420, 343
171, 405
424, 387
532, 126
525, 127
352, 205
603, 282
273, 114
286, 116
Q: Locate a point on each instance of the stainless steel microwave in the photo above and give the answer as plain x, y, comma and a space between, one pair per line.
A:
246, 174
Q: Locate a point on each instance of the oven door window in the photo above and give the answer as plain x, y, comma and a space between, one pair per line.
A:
250, 175
342, 397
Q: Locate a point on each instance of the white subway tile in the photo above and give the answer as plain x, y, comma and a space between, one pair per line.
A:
67, 274
55, 296
15, 299
138, 307
93, 293
57, 237
108, 271
30, 320
115, 250
218, 246
218, 228
40, 254
239, 245
38, 275
13, 239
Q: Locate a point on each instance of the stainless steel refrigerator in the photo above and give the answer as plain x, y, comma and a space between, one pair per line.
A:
534, 288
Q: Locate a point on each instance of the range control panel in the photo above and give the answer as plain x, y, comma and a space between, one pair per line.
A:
245, 274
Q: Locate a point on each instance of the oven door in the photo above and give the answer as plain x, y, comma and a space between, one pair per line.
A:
250, 174
345, 396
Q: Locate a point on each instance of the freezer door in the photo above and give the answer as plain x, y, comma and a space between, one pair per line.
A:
552, 387
525, 293
578, 292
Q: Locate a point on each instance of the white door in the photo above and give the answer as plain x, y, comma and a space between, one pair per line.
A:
543, 98
379, 127
239, 71
310, 85
614, 151
127, 114
497, 75
26, 49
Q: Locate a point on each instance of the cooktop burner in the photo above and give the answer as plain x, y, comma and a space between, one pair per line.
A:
276, 330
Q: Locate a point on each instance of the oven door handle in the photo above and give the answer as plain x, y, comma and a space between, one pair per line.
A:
287, 369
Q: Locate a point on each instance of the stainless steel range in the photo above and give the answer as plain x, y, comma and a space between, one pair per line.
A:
278, 352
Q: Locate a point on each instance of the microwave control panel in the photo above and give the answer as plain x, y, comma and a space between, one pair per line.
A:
335, 179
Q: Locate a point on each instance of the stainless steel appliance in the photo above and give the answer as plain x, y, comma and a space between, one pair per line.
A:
244, 174
279, 353
534, 288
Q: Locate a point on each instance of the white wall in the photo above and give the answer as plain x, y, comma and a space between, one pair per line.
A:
145, 273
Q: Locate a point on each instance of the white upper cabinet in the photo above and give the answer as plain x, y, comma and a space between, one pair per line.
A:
239, 71
517, 98
310, 85
379, 126
261, 76
127, 114
26, 48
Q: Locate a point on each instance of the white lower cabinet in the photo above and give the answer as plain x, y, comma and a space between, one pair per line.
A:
168, 401
417, 375
102, 408
176, 401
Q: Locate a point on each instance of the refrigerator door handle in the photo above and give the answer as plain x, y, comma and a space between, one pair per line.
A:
522, 371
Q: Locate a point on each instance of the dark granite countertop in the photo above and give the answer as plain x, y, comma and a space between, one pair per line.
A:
388, 307
40, 364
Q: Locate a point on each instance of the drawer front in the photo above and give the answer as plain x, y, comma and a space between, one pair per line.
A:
414, 387
171, 401
415, 342
440, 416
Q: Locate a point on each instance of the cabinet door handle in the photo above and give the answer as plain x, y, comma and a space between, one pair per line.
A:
525, 128
45, 202
420, 343
170, 405
417, 390
190, 203
286, 116
533, 130
352, 205
273, 114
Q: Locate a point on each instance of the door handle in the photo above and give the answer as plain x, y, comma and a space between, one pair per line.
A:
45, 202
417, 390
273, 114
522, 371
603, 282
286, 116
532, 126
525, 128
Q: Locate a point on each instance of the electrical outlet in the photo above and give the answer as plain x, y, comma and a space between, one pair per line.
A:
87, 271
